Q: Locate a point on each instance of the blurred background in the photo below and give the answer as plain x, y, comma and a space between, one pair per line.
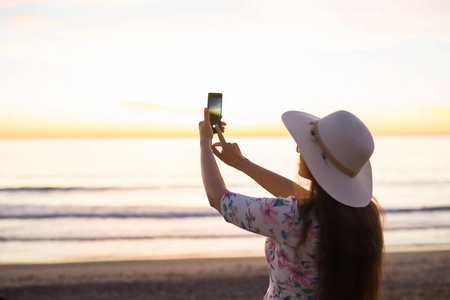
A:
100, 103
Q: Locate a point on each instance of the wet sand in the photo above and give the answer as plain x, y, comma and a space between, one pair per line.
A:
408, 275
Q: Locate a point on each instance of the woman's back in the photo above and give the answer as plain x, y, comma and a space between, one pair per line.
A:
351, 247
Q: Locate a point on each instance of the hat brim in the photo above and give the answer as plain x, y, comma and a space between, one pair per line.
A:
351, 191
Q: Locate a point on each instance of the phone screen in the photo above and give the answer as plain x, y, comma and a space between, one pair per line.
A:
215, 105
215, 109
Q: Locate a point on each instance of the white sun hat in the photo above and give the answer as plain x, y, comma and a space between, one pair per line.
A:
336, 150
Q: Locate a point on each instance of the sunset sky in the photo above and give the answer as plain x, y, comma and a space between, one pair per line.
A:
135, 68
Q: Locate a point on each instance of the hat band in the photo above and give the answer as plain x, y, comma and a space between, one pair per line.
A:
326, 153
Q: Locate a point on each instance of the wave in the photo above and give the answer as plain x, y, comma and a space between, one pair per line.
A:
108, 215
62, 189
101, 212
116, 238
148, 212
417, 210
415, 182
177, 185
168, 237
413, 227
49, 189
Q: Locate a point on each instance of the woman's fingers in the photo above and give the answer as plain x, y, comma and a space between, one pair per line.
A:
230, 152
206, 115
221, 137
215, 150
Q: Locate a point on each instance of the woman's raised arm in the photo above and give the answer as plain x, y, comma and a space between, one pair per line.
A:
274, 183
212, 179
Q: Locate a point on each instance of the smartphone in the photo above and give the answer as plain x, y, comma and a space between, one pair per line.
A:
215, 109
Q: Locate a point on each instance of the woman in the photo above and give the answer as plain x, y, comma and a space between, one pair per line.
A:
325, 242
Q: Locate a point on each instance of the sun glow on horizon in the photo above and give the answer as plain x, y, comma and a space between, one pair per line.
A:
425, 124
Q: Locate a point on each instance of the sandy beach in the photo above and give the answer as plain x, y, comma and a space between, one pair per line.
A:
408, 275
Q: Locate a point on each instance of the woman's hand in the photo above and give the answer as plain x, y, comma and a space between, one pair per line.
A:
205, 129
230, 154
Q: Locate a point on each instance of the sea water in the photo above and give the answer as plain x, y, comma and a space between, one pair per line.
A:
116, 199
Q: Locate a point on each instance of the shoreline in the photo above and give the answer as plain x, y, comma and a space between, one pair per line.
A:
408, 275
401, 249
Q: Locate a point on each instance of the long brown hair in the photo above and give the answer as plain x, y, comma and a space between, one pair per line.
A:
350, 253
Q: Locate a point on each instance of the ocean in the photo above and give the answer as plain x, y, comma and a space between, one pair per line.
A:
68, 200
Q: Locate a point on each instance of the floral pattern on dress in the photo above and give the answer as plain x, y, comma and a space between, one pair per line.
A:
293, 269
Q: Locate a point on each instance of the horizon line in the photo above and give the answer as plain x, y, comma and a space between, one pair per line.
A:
168, 136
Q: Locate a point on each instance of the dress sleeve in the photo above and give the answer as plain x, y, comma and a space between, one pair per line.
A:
276, 218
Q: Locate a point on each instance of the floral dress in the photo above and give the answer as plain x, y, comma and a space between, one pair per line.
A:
293, 268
